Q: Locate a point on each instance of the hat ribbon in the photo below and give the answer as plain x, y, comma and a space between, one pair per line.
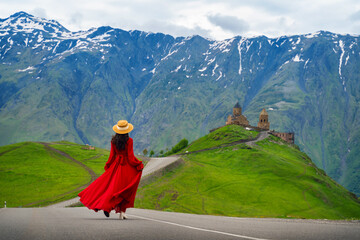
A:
122, 128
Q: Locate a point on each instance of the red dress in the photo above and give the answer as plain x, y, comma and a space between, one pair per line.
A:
116, 187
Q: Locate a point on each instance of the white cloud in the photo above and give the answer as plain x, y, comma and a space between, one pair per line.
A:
209, 18
229, 23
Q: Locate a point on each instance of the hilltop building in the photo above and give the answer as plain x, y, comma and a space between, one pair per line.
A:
264, 120
237, 118
263, 125
287, 137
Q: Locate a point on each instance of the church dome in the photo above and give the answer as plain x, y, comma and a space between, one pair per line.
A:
263, 112
237, 105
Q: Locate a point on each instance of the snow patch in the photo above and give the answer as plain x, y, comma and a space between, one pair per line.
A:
222, 45
341, 45
203, 69
239, 49
30, 68
248, 46
213, 71
169, 54
352, 44
177, 69
219, 76
306, 63
211, 61
312, 35
297, 58
284, 64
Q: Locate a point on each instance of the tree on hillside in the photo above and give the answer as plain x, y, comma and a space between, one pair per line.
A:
152, 153
181, 145
145, 151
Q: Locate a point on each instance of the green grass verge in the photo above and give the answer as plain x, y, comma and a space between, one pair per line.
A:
272, 179
221, 136
31, 174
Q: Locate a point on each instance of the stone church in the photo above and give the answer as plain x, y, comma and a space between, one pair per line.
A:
239, 119
263, 124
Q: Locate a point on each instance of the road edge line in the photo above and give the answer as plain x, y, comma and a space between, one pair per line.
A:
199, 229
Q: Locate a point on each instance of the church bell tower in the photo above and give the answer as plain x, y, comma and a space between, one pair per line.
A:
264, 120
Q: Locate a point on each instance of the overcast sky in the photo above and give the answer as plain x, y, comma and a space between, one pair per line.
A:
208, 18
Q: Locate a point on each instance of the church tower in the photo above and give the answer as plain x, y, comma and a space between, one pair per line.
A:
237, 118
237, 110
264, 120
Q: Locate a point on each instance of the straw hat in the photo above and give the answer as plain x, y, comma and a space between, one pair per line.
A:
123, 127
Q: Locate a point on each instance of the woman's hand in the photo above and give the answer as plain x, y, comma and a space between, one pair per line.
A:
140, 167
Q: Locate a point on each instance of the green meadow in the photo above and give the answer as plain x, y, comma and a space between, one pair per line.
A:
34, 176
271, 179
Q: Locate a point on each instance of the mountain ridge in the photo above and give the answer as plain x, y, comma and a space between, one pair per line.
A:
76, 85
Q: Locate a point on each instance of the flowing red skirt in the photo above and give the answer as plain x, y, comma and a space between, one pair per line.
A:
115, 189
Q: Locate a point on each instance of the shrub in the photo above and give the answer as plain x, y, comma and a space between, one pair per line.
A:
152, 153
178, 147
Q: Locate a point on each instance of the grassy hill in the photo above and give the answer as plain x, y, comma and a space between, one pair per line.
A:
34, 174
270, 179
222, 136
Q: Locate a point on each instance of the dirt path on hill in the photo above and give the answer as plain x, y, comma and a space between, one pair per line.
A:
52, 150
249, 142
14, 148
89, 170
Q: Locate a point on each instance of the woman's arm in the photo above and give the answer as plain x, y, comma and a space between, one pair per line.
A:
111, 157
133, 161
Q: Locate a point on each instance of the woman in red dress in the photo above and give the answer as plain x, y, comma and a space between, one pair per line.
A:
116, 188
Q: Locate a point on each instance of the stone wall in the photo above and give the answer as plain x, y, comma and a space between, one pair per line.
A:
287, 137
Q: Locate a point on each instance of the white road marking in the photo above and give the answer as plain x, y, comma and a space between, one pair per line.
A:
199, 229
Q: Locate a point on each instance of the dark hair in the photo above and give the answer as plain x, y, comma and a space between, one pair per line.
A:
120, 140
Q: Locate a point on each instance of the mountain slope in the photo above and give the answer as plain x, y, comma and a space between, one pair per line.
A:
271, 179
58, 84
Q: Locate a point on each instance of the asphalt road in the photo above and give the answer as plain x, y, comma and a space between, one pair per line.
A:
81, 223
156, 164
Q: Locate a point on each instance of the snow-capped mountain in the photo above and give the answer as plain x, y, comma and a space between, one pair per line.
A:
58, 84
